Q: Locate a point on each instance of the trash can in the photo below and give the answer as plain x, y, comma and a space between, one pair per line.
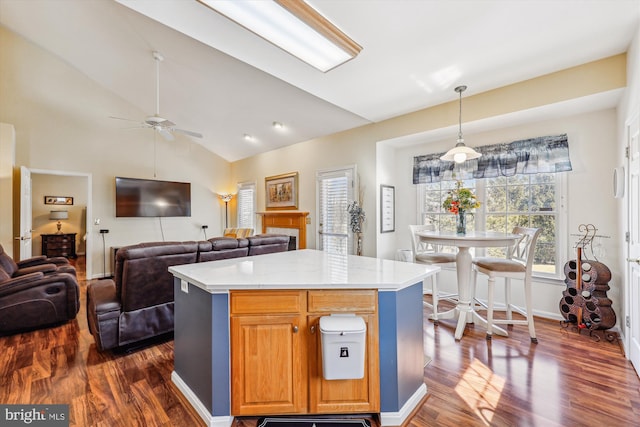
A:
343, 343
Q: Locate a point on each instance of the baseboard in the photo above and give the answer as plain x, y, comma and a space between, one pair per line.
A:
210, 420
398, 418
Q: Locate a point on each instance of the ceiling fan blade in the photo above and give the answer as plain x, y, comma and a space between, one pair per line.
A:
166, 134
122, 118
188, 132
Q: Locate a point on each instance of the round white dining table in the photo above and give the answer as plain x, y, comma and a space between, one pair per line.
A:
472, 239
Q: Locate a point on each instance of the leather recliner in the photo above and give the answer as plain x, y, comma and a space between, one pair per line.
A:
138, 303
35, 264
36, 299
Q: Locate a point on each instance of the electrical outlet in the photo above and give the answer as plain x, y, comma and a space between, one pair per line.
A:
184, 286
103, 231
204, 227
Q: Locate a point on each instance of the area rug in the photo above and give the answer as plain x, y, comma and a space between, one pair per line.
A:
313, 422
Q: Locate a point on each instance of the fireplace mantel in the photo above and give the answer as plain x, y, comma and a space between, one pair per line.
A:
287, 219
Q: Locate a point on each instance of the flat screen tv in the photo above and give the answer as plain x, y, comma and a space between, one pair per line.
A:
151, 198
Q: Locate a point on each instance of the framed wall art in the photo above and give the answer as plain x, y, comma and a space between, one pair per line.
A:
58, 200
387, 208
281, 191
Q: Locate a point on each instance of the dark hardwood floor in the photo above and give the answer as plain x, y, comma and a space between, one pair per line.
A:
567, 379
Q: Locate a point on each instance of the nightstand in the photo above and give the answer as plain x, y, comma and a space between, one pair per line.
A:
59, 245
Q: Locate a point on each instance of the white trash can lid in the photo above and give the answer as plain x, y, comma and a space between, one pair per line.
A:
341, 323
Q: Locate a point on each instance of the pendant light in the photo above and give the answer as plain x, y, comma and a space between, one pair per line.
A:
460, 152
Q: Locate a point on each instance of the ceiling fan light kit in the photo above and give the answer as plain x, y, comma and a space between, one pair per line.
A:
163, 126
460, 153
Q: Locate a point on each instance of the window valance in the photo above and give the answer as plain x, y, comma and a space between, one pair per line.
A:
545, 154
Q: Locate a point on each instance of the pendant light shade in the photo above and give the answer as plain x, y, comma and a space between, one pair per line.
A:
460, 152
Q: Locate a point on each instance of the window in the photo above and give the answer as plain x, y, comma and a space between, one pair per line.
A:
246, 201
335, 191
521, 200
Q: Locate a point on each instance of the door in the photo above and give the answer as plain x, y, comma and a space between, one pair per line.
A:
343, 396
633, 285
25, 213
268, 364
335, 190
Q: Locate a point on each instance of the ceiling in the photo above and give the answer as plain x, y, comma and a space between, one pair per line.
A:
223, 81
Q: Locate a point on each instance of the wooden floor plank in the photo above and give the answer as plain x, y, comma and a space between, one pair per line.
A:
567, 379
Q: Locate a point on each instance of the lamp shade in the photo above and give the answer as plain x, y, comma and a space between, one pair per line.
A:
58, 215
226, 197
460, 153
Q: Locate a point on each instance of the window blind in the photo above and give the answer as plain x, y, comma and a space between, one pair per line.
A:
335, 189
246, 205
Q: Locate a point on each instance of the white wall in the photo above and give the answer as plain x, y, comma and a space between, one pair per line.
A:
61, 122
592, 137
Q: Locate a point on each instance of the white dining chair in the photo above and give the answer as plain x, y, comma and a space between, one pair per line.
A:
518, 265
427, 253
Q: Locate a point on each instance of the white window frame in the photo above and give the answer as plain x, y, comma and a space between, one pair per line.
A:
242, 187
561, 241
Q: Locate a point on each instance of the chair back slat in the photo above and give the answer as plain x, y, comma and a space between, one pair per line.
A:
523, 250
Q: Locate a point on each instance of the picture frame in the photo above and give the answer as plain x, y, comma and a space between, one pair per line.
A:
58, 200
281, 191
387, 208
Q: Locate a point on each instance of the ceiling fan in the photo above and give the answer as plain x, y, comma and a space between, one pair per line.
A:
163, 126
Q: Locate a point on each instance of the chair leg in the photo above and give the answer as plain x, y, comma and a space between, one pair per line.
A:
507, 297
473, 294
528, 305
490, 295
434, 292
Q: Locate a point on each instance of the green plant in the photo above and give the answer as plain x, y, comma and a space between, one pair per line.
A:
460, 199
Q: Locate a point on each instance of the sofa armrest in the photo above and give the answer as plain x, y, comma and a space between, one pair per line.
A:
20, 283
102, 298
36, 260
43, 268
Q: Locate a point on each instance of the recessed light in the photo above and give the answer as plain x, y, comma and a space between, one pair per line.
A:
248, 137
278, 125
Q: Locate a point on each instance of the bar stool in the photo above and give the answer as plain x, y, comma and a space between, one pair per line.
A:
426, 253
518, 265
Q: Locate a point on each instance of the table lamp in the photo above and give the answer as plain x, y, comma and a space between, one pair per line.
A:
58, 215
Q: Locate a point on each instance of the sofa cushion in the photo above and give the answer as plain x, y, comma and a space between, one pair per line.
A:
221, 243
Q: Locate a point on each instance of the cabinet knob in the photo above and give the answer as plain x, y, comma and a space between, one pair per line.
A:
313, 329
295, 329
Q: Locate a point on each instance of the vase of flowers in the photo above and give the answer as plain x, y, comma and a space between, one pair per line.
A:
459, 201
356, 218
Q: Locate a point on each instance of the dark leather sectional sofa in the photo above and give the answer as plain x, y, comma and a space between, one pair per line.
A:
138, 303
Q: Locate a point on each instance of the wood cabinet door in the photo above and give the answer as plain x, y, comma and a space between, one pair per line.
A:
268, 364
344, 396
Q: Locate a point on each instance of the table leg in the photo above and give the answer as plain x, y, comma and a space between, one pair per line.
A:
463, 268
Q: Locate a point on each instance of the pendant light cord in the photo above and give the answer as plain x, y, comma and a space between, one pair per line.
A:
460, 89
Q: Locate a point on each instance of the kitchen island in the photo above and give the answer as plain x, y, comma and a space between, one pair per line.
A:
247, 342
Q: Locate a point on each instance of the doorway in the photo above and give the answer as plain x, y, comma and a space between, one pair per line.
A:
46, 184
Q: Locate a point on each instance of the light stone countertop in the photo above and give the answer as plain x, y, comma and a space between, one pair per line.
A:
303, 269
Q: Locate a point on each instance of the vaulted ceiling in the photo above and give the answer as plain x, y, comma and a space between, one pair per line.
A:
223, 81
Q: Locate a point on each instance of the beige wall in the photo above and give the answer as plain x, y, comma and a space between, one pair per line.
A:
61, 122
7, 160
